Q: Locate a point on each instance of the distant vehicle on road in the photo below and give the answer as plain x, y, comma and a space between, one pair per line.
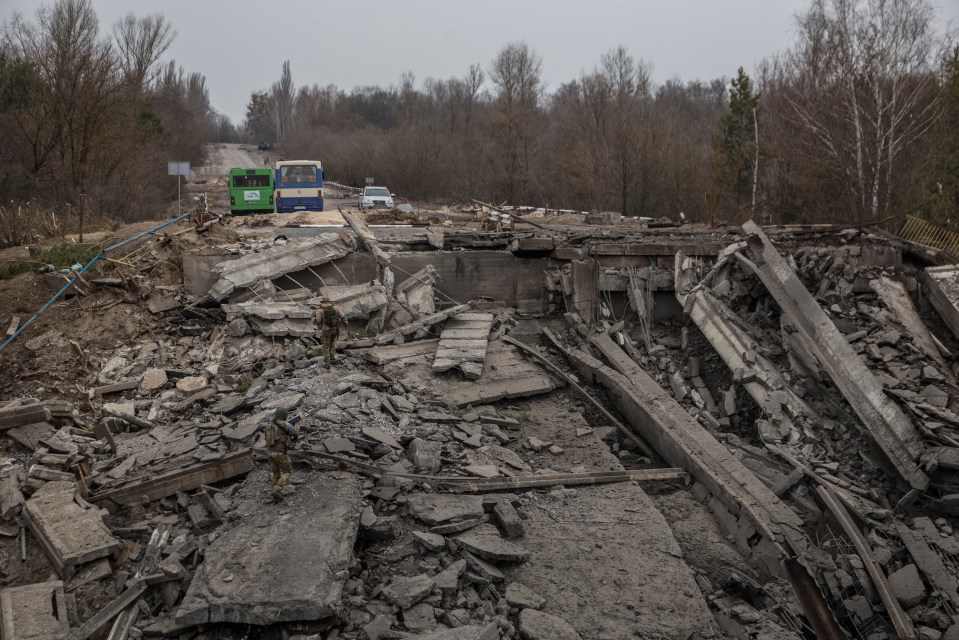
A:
299, 185
251, 190
264, 146
376, 198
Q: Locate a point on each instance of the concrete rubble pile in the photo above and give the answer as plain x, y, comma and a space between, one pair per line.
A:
733, 435
789, 422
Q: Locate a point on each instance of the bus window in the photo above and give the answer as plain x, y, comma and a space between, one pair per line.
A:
298, 174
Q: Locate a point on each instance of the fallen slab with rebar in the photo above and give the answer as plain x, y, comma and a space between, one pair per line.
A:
886, 424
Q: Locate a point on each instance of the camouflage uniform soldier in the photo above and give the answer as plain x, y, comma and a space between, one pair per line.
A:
329, 319
280, 435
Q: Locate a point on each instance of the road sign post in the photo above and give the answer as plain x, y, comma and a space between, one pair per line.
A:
178, 168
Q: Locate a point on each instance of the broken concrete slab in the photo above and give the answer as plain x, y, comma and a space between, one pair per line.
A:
30, 435
684, 443
19, 415
655, 574
585, 285
447, 580
882, 419
508, 519
295, 327
907, 586
485, 541
438, 508
354, 300
11, 498
69, 534
417, 325
151, 488
463, 344
537, 625
404, 591
929, 562
468, 632
163, 303
416, 292
276, 261
267, 311
942, 289
482, 392
782, 407
34, 612
389, 353
248, 426
519, 595
486, 570
894, 294
280, 567
430, 541
378, 435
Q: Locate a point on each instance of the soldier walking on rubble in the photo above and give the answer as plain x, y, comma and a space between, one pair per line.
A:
329, 319
280, 435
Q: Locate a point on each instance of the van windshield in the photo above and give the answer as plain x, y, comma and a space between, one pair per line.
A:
378, 191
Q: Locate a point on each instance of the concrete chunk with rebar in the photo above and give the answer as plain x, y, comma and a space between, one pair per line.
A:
275, 262
881, 418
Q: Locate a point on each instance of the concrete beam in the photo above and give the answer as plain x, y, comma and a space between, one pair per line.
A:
684, 443
894, 294
740, 352
275, 262
768, 533
184, 479
19, 415
586, 289
942, 288
882, 419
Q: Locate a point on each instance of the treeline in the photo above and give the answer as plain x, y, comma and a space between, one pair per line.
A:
858, 120
89, 119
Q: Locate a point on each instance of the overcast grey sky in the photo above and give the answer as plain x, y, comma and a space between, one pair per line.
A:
240, 45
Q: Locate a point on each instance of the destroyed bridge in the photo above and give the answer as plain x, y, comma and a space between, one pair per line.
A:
558, 430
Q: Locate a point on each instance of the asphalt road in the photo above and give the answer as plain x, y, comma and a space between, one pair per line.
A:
237, 155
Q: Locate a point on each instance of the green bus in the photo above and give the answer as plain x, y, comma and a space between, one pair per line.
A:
251, 190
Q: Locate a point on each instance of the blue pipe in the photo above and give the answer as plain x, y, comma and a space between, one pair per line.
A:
84, 270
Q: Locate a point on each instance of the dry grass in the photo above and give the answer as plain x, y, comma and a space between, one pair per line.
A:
27, 223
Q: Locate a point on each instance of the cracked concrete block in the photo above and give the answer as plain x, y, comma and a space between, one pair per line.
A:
34, 612
438, 509
907, 586
486, 542
404, 591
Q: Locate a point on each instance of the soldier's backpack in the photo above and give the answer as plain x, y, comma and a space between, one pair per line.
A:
272, 435
329, 316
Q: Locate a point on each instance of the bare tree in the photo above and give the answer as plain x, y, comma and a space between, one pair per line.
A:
79, 75
140, 43
517, 73
861, 86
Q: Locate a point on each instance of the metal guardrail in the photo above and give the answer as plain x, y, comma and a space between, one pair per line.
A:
922, 232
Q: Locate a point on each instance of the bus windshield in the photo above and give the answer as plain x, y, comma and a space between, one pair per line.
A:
297, 174
251, 181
